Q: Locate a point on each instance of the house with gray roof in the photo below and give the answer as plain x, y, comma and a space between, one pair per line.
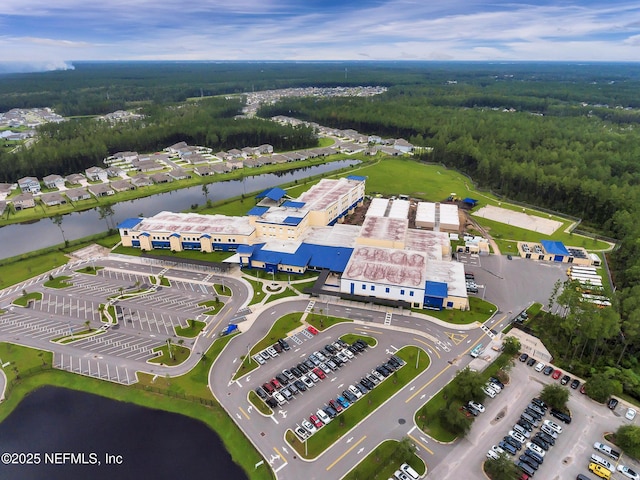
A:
101, 190
53, 181
179, 174
24, 200
29, 185
96, 174
52, 199
122, 185
77, 194
161, 178
75, 179
141, 180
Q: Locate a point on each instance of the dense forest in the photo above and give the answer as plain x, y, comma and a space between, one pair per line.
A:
73, 146
560, 136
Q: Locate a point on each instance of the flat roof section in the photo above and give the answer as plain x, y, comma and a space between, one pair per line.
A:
399, 209
189, 223
387, 266
449, 214
377, 207
384, 228
326, 192
426, 212
279, 216
339, 235
426, 241
451, 273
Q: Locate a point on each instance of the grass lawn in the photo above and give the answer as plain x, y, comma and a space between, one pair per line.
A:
222, 290
321, 322
58, 282
72, 338
534, 309
180, 354
428, 417
111, 310
344, 422
383, 461
217, 306
24, 359
23, 301
352, 337
302, 286
259, 404
164, 281
31, 265
284, 294
280, 329
89, 270
192, 331
480, 311
258, 294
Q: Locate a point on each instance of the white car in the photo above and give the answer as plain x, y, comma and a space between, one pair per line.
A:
553, 426
320, 356
314, 378
308, 426
521, 430
301, 433
493, 455
627, 472
377, 374
518, 436
324, 418
355, 391
399, 475
279, 398
631, 413
601, 461
535, 448
348, 353
539, 367
489, 391
494, 387
477, 406
307, 381
409, 472
497, 449
259, 359
272, 352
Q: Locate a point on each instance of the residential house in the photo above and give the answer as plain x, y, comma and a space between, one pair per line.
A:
24, 200
3, 207
29, 185
53, 198
251, 163
141, 180
154, 157
5, 190
113, 172
179, 174
146, 165
96, 174
279, 159
176, 147
265, 149
77, 194
122, 185
75, 179
235, 163
204, 171
195, 159
101, 190
121, 157
402, 145
53, 181
248, 152
161, 178
223, 156
235, 153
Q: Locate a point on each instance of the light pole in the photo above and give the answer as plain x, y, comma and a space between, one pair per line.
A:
418, 358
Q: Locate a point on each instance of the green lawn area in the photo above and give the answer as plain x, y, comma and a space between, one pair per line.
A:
222, 290
302, 286
280, 329
259, 404
352, 337
31, 265
428, 416
324, 142
344, 422
111, 310
58, 282
383, 461
24, 359
89, 270
188, 254
180, 354
192, 331
164, 281
258, 294
322, 322
216, 306
479, 311
23, 301
284, 294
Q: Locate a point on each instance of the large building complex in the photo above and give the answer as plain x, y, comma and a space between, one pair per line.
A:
383, 258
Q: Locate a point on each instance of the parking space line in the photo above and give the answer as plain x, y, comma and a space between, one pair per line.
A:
346, 453
367, 330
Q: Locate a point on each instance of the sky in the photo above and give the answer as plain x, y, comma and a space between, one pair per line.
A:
50, 34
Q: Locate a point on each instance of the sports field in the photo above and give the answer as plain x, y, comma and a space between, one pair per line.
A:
542, 225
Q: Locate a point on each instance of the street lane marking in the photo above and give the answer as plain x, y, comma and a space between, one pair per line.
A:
244, 413
368, 331
434, 350
346, 453
420, 443
280, 455
428, 383
456, 338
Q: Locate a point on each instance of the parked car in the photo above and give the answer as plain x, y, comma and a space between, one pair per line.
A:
599, 470
548, 370
409, 472
490, 392
316, 421
575, 384
284, 344
612, 403
627, 472
323, 417
553, 426
531, 361
607, 450
539, 367
497, 382
478, 406
535, 448
631, 413
556, 374
258, 358
507, 447
312, 330
561, 415
261, 393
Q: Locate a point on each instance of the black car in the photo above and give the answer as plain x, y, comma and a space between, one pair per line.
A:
272, 402
365, 382
561, 415
472, 410
362, 343
261, 393
524, 424
362, 388
612, 403
302, 367
331, 349
282, 379
277, 347
533, 413
526, 468
541, 443
535, 455
513, 442
349, 396
398, 359
383, 371
523, 357
394, 362
329, 410
565, 379
540, 403
358, 347
309, 364
547, 370
547, 438
507, 447
353, 349
296, 371
342, 343
301, 386
284, 344
531, 362
575, 384
529, 461
293, 389
337, 360
497, 382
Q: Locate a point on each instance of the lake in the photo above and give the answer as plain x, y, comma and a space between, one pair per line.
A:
142, 443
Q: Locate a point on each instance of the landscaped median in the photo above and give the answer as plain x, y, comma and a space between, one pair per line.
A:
58, 282
479, 311
257, 402
330, 433
384, 460
26, 298
350, 338
192, 330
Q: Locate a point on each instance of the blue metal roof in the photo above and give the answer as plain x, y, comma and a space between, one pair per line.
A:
357, 178
436, 289
129, 223
257, 211
243, 249
145, 234
175, 235
274, 194
554, 247
292, 204
292, 220
206, 235
332, 258
470, 201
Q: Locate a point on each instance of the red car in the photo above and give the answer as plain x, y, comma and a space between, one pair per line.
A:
321, 375
336, 406
316, 421
311, 329
276, 384
556, 374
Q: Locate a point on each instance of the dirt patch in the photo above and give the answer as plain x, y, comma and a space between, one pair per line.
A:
91, 251
500, 415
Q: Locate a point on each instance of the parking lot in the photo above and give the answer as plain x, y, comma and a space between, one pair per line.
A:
574, 446
94, 367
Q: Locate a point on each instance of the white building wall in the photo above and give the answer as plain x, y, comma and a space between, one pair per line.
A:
379, 290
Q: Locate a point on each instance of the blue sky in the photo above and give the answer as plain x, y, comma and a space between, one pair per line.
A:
48, 34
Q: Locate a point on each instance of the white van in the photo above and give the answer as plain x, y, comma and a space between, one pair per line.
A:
601, 461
